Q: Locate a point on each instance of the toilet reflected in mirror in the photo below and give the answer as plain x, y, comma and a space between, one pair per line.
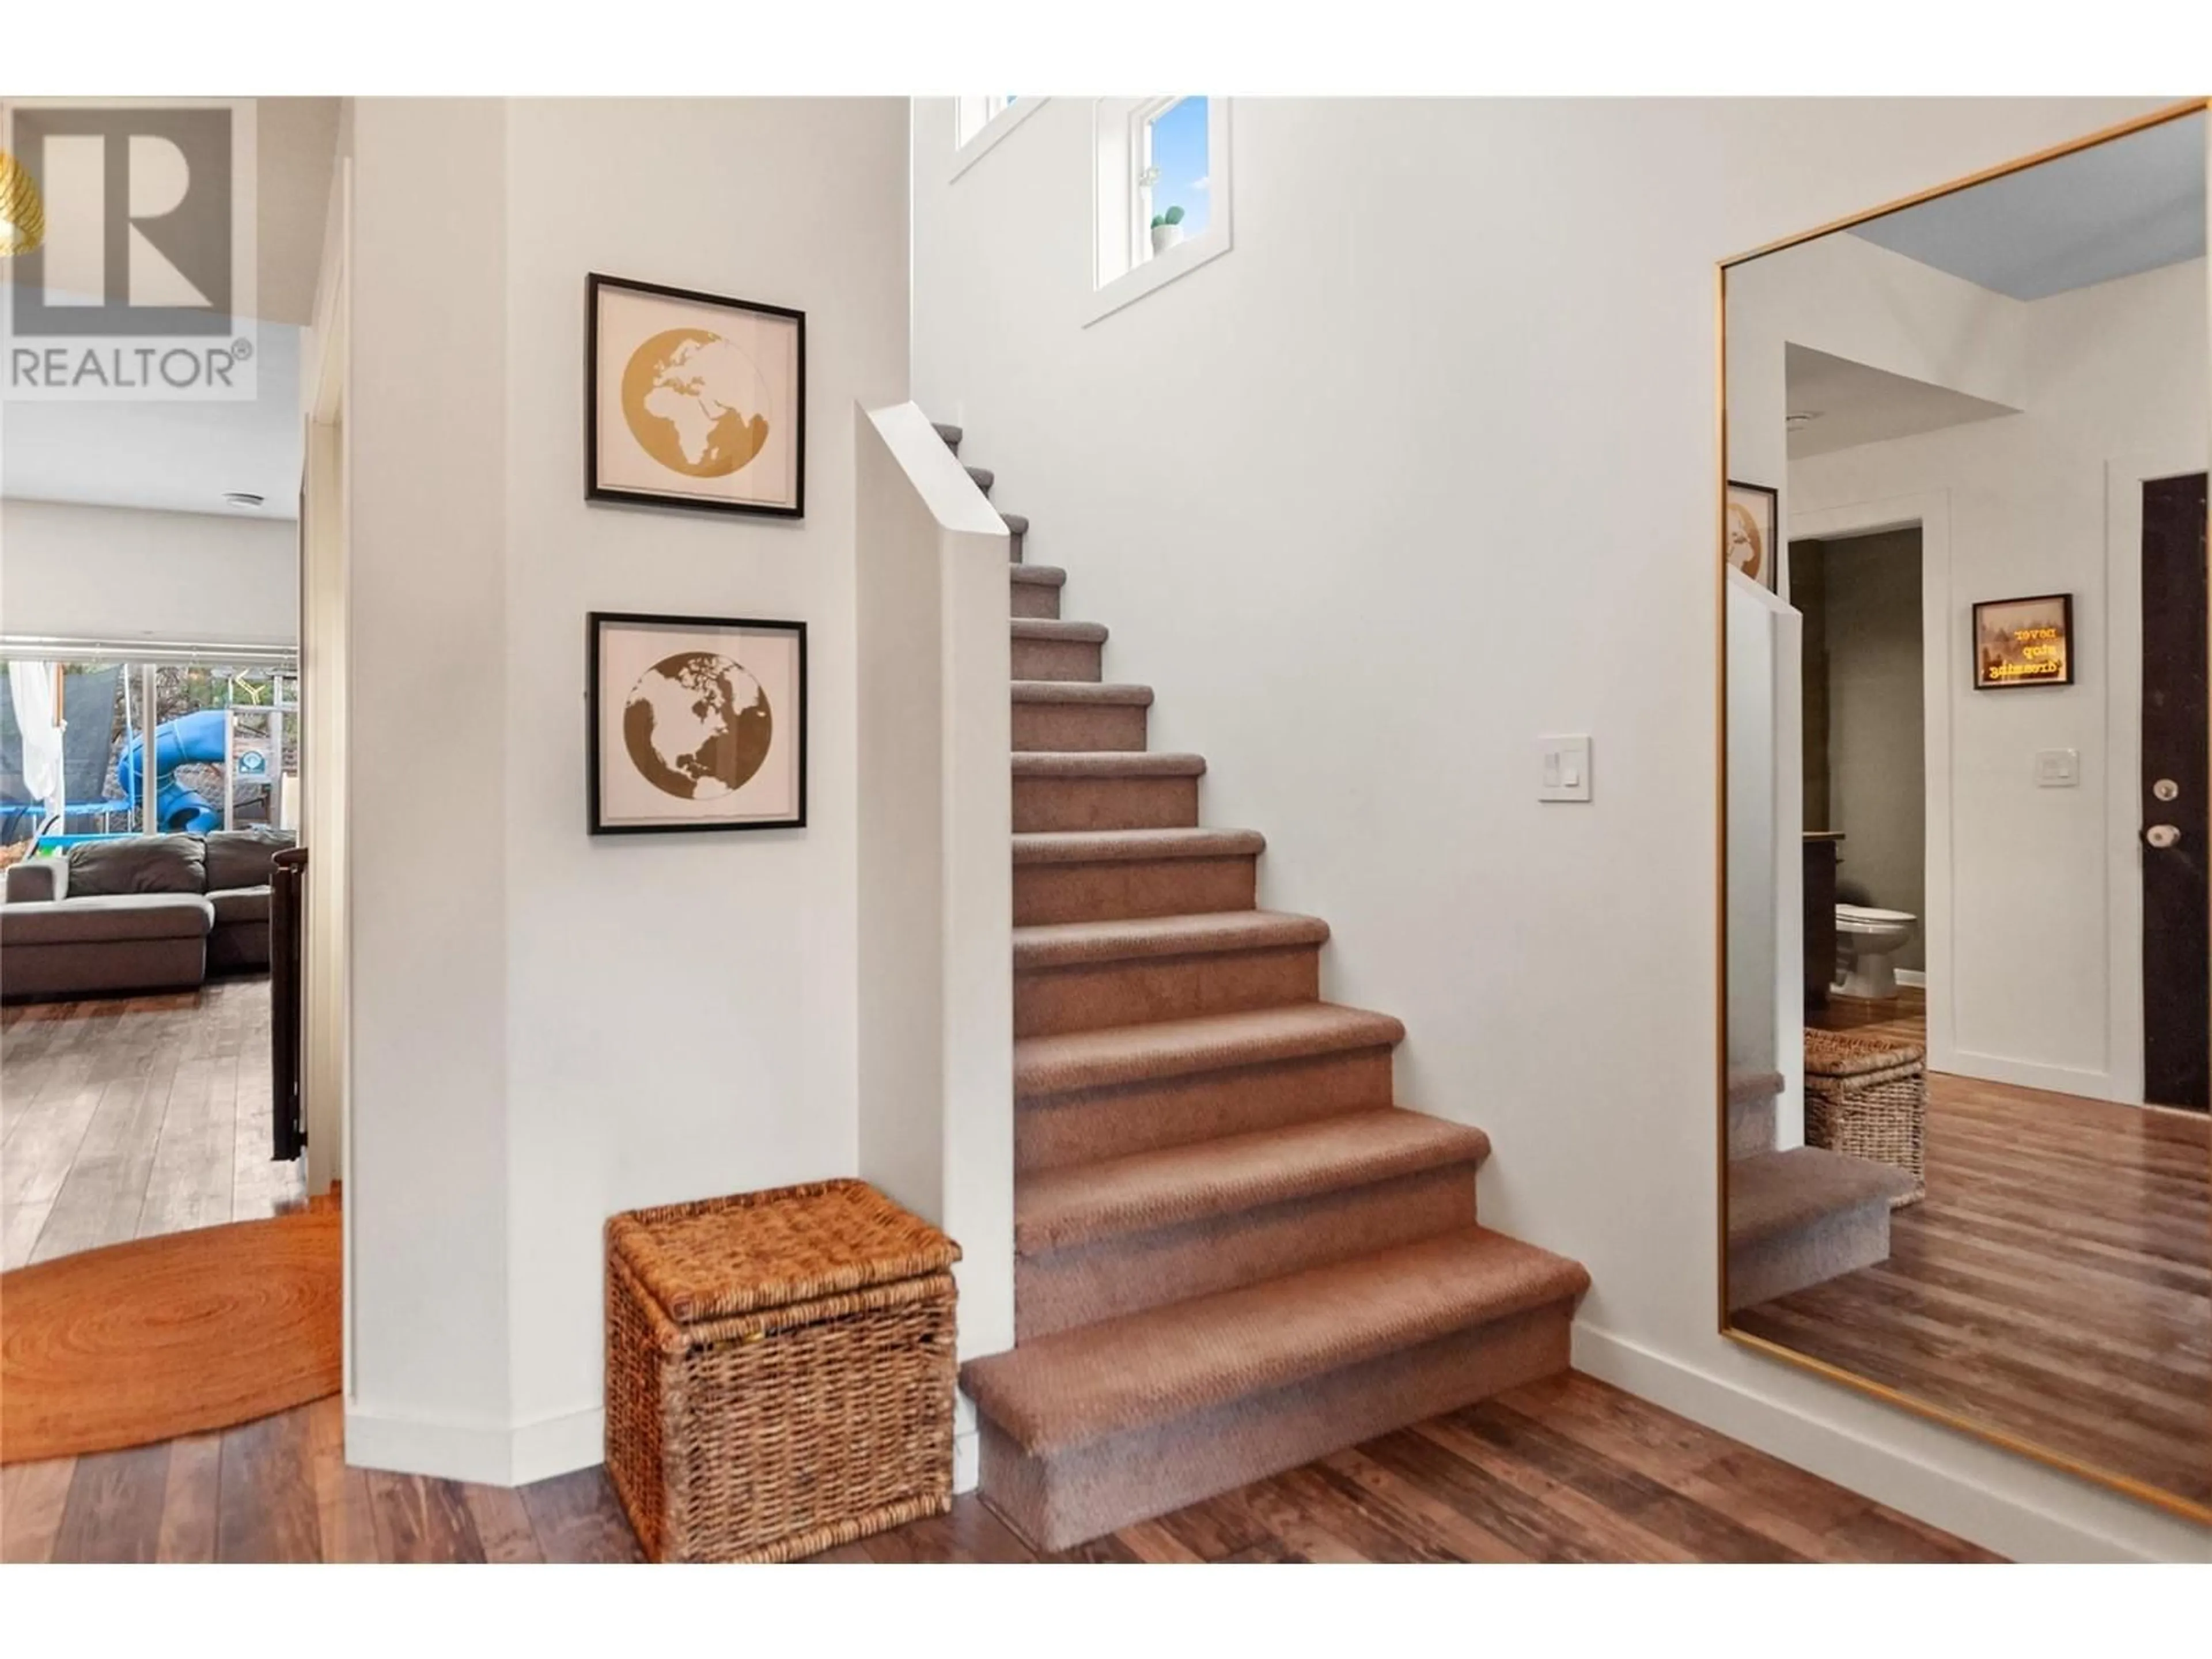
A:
1968, 928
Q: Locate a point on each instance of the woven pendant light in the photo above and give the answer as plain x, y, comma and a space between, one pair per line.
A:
22, 216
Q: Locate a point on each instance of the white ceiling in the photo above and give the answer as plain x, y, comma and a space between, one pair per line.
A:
174, 456
184, 457
2132, 205
1857, 404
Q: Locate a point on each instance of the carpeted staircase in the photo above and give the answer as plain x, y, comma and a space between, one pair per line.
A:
1798, 1218
1233, 1252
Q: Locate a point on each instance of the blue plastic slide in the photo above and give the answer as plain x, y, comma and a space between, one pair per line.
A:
196, 737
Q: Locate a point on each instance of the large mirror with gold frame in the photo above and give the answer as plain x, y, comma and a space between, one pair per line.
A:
1967, 985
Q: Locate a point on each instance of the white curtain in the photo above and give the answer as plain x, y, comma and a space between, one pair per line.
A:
38, 716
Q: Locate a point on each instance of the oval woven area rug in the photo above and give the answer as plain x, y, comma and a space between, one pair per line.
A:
135, 1343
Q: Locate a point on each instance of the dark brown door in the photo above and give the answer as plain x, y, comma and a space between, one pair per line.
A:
2177, 897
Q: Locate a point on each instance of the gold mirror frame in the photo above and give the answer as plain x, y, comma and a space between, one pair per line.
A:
2173, 1503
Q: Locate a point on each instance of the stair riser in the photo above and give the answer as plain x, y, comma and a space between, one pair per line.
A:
1129, 888
1063, 1289
1751, 1126
1014, 540
1057, 1502
1804, 1256
1057, 659
1054, 1130
1035, 599
1096, 995
1068, 727
1105, 803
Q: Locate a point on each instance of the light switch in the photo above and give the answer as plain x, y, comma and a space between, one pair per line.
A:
2057, 769
1566, 773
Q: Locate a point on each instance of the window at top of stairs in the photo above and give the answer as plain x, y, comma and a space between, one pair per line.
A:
980, 123
1162, 193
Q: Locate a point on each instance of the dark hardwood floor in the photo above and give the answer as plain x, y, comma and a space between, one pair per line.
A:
2056, 1284
1568, 1469
127, 1117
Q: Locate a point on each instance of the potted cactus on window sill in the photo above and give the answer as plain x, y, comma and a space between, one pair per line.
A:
1167, 229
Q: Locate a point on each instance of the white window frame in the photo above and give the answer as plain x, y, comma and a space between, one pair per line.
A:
1124, 268
987, 121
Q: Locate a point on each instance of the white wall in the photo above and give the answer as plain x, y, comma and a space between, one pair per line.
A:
1373, 511
936, 1049
2110, 372
427, 1200
120, 572
649, 1018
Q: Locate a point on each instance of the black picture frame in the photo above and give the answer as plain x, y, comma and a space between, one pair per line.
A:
1770, 572
598, 283
595, 626
2022, 682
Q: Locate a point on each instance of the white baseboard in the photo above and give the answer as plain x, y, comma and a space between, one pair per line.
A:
967, 1449
559, 1445
2011, 1525
487, 1454
2029, 1074
1914, 977
484, 1453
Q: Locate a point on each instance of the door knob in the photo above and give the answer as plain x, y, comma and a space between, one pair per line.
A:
2162, 835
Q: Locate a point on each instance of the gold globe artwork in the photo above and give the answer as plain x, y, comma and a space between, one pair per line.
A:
685, 393
22, 215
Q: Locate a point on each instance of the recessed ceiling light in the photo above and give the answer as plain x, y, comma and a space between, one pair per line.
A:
244, 499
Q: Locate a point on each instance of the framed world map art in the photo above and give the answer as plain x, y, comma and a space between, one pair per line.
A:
695, 723
693, 400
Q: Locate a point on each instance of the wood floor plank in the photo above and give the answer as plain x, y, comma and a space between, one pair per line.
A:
128, 1117
1703, 1532
502, 1524
1535, 1528
189, 1506
1568, 1469
1603, 1527
1884, 1535
115, 1508
1412, 1510
421, 1520
578, 1518
267, 1511
2055, 1284
33, 1497
1150, 1541
1212, 1529
343, 1520
105, 1187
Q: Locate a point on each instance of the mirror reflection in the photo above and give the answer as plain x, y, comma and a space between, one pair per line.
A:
1965, 655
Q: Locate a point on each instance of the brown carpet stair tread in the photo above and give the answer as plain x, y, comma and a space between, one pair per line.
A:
1083, 691
1063, 944
1082, 1385
1746, 1087
1119, 846
1038, 575
1182, 1047
951, 435
1772, 1193
1059, 1209
984, 477
1048, 628
1017, 524
1106, 763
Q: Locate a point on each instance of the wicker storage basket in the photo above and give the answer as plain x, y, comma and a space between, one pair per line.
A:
780, 1371
1867, 1097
